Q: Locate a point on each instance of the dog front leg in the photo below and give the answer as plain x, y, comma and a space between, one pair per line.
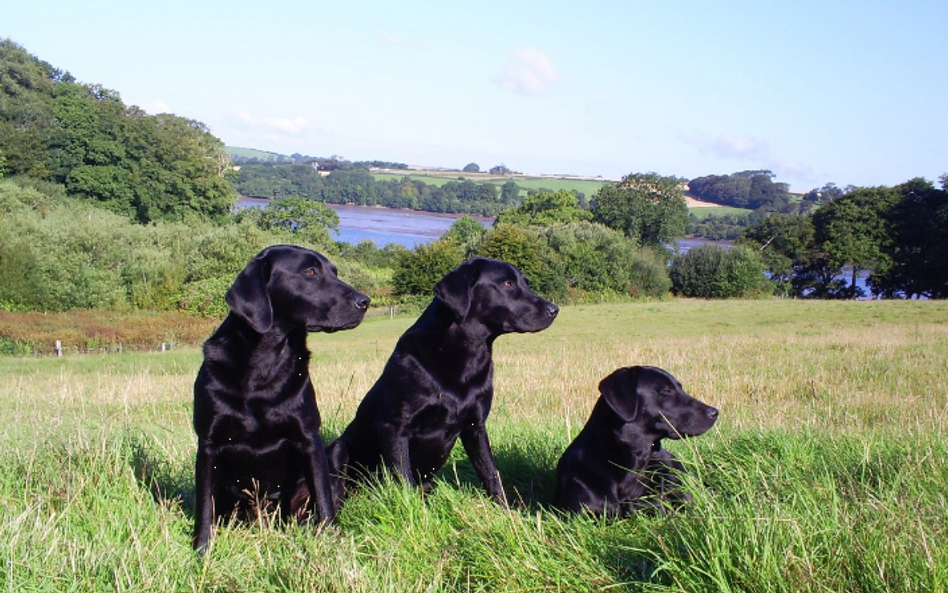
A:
395, 451
318, 476
477, 445
204, 474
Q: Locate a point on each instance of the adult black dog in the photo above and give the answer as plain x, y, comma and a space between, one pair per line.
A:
616, 464
438, 383
255, 411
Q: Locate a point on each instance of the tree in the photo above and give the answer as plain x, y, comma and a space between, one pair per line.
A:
545, 209
746, 189
509, 192
500, 169
150, 168
310, 221
466, 230
916, 254
647, 207
471, 168
784, 242
852, 232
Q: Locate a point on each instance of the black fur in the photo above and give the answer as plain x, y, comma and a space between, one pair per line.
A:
616, 464
438, 383
255, 411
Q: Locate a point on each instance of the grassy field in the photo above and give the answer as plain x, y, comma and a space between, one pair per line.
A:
705, 212
828, 470
439, 178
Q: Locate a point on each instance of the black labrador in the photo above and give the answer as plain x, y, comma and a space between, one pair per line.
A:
255, 411
616, 464
438, 383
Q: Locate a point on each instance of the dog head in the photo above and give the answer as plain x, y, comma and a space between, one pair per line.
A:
655, 401
495, 294
289, 287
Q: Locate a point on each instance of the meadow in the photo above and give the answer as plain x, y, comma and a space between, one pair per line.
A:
826, 471
585, 186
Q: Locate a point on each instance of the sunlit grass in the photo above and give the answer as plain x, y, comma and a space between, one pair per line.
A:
828, 470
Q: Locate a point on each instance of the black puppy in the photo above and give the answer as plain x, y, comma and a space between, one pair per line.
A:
255, 411
438, 383
616, 464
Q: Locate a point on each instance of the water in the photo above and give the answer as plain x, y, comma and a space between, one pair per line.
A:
383, 226
410, 228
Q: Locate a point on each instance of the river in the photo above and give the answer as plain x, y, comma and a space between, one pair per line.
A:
384, 226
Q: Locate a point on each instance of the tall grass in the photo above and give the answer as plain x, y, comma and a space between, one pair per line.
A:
826, 472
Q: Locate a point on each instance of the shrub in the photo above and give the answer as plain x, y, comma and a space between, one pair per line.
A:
712, 272
419, 270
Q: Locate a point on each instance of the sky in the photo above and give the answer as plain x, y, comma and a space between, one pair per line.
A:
825, 91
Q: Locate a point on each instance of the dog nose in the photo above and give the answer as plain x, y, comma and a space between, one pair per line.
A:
552, 310
712, 413
362, 302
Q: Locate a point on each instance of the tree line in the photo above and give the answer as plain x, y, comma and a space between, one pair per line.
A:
356, 185
897, 235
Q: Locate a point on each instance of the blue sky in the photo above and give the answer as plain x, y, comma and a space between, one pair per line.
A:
854, 93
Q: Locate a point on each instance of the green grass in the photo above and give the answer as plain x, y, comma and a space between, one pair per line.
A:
439, 178
826, 472
705, 212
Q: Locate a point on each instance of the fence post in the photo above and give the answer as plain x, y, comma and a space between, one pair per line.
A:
59, 348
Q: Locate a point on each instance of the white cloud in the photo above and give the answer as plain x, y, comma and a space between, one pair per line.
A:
745, 147
285, 125
155, 107
529, 72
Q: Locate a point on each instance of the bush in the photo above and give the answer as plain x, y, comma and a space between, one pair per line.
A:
419, 270
596, 259
712, 272
206, 297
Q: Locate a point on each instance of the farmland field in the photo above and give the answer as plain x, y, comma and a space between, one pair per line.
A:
439, 178
826, 472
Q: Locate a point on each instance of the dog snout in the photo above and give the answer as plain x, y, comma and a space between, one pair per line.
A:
362, 302
712, 413
552, 310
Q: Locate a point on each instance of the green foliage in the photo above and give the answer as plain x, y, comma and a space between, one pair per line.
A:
546, 208
747, 189
592, 258
297, 219
420, 270
353, 185
719, 227
468, 232
914, 248
63, 254
147, 168
206, 297
647, 207
524, 248
713, 272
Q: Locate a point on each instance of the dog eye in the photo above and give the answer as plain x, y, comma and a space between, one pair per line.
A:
507, 284
311, 272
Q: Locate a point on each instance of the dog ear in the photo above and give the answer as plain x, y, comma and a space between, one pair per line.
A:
454, 290
248, 297
620, 391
